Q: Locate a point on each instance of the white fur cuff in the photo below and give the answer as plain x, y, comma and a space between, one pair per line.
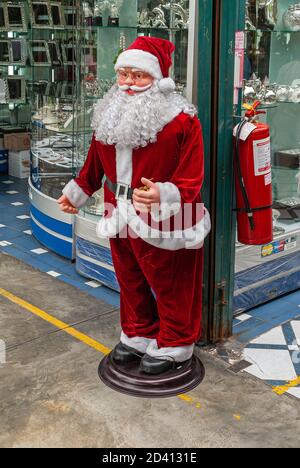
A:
138, 343
75, 194
140, 59
178, 354
170, 202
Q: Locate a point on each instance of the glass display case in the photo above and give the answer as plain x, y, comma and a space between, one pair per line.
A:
53, 64
272, 76
107, 28
52, 43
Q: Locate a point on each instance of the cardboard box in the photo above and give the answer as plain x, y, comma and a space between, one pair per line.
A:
19, 164
17, 141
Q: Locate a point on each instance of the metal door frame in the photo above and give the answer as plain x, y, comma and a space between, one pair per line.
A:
218, 22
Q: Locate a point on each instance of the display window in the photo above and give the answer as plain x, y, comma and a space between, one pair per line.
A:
271, 74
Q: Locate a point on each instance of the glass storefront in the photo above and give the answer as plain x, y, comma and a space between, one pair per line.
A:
272, 76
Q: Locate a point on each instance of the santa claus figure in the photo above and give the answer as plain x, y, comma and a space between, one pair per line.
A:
148, 144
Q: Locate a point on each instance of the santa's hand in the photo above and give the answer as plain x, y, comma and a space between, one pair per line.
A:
144, 199
66, 206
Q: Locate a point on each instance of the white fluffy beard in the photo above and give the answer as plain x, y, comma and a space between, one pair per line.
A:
134, 121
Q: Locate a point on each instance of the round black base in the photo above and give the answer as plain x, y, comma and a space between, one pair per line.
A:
130, 380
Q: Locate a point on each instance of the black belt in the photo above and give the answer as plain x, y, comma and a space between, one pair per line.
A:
121, 191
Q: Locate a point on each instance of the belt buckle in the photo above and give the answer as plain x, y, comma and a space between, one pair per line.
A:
122, 191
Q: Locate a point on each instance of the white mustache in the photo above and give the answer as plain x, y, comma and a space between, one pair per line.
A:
135, 88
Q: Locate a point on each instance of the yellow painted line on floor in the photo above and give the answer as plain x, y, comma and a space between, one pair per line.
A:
281, 390
71, 331
190, 400
54, 321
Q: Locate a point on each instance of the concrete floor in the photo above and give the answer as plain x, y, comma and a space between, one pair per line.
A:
51, 396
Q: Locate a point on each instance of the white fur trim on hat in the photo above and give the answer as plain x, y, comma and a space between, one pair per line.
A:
136, 58
166, 85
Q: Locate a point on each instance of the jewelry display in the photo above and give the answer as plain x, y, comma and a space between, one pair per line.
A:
159, 19
114, 16
269, 94
98, 13
283, 93
179, 14
251, 15
144, 18
277, 229
87, 13
93, 87
261, 14
291, 18
61, 102
295, 95
267, 14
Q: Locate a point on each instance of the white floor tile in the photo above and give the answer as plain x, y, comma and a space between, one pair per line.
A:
29, 232
12, 192
39, 251
270, 364
244, 317
294, 348
273, 337
295, 392
5, 243
53, 273
17, 204
23, 217
93, 284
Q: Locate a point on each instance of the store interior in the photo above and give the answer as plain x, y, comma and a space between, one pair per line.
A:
56, 61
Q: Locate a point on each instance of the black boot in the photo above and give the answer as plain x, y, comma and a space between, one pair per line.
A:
155, 366
123, 354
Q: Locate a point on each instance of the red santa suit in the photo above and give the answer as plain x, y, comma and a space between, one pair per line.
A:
160, 275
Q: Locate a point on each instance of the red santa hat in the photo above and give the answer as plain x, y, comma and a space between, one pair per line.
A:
151, 55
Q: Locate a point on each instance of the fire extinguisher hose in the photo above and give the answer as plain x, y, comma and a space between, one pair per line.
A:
248, 209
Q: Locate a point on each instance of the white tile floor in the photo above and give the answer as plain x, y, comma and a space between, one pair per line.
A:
54, 274
275, 357
39, 251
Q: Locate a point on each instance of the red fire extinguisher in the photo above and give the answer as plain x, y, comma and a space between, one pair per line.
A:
253, 179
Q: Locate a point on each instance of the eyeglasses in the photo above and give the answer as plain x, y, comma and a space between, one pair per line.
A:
135, 76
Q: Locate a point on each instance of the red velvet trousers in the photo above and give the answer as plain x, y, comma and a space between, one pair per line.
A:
161, 291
